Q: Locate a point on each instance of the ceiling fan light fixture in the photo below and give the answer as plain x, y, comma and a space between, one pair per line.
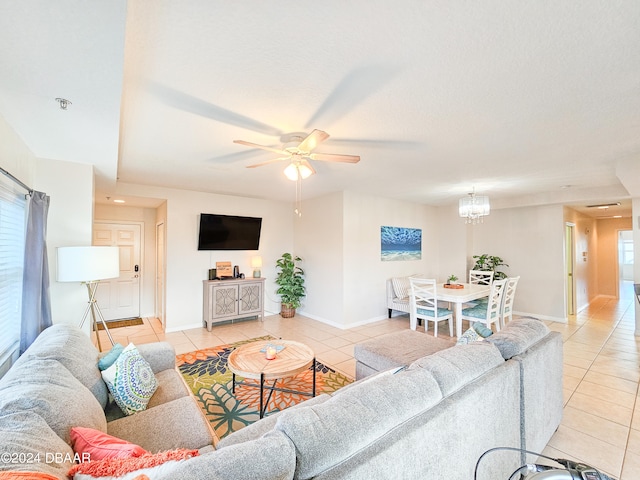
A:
297, 170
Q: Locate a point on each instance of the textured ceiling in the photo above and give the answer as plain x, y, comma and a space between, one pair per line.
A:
516, 99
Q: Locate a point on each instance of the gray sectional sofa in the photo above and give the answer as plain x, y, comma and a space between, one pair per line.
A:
56, 385
432, 419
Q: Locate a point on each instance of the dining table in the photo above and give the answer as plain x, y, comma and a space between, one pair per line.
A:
464, 293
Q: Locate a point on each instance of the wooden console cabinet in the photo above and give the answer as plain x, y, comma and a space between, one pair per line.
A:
232, 299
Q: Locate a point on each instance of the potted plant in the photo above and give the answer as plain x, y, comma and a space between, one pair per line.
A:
290, 281
487, 263
452, 279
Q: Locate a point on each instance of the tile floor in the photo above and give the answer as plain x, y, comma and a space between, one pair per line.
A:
601, 423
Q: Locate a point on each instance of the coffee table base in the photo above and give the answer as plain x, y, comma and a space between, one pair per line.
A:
272, 388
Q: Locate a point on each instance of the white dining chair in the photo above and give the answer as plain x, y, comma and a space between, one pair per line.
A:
488, 313
481, 277
423, 304
506, 311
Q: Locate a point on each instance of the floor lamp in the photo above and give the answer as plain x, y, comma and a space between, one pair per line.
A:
89, 266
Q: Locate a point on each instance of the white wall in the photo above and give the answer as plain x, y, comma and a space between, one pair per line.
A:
319, 237
70, 187
531, 241
15, 156
186, 267
455, 243
146, 216
585, 272
339, 235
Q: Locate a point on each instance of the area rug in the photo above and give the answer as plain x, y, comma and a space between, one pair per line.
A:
208, 377
129, 322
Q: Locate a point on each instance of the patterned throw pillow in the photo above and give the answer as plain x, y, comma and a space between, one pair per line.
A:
468, 337
131, 381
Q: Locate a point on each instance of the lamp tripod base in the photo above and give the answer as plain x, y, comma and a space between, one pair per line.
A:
92, 306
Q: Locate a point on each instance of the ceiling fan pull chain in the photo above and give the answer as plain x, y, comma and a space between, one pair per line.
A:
298, 209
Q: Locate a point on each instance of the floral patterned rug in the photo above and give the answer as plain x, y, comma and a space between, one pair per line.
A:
208, 377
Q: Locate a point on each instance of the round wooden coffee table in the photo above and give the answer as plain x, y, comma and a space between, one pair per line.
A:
249, 361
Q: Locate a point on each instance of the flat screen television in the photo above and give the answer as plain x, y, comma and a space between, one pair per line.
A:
228, 232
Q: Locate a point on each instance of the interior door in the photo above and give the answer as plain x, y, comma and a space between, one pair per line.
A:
119, 298
570, 259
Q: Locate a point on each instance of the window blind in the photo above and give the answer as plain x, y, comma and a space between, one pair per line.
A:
12, 244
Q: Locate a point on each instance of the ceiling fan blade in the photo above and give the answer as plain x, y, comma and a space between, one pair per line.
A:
352, 90
268, 162
378, 143
314, 139
235, 156
335, 157
308, 165
263, 147
197, 106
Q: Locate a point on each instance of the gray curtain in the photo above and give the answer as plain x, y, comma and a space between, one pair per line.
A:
36, 304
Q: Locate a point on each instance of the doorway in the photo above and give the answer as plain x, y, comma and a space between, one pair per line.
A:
119, 298
569, 248
625, 259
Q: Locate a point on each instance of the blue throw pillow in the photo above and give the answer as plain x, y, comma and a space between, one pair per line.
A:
111, 356
482, 330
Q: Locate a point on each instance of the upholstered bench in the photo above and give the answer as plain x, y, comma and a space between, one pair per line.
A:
395, 350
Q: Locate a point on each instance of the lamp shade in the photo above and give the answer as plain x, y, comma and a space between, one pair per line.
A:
256, 262
87, 264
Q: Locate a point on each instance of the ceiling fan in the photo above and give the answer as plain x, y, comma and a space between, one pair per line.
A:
299, 156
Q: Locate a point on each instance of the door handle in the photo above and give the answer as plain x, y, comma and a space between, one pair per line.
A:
136, 268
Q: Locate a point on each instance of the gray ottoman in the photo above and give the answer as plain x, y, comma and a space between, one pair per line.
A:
395, 350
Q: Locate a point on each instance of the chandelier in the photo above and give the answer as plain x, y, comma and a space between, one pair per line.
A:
473, 207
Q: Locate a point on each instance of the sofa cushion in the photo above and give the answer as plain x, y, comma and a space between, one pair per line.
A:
170, 387
176, 424
131, 381
70, 346
398, 349
455, 367
518, 335
160, 355
330, 432
26, 433
97, 445
46, 388
269, 457
257, 429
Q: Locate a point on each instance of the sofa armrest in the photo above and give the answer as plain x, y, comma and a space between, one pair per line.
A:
160, 355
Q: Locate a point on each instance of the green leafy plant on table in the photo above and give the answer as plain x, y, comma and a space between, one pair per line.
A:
290, 281
452, 279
